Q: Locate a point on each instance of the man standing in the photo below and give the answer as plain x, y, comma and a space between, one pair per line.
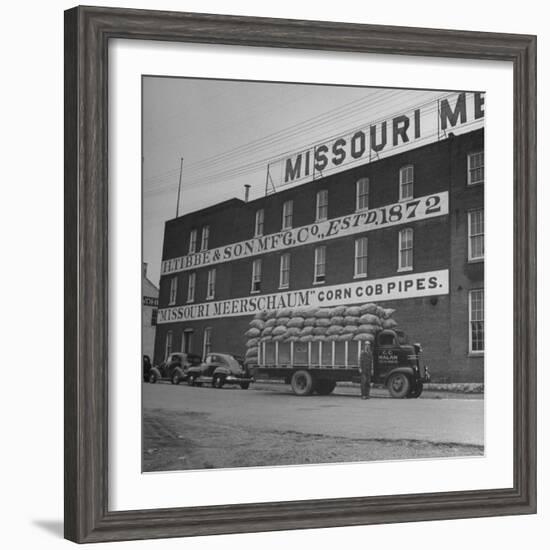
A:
365, 369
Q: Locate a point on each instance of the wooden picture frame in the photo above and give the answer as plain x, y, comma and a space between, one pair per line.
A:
87, 34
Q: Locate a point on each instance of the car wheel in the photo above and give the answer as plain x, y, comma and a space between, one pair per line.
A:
245, 385
302, 383
191, 380
399, 385
176, 379
152, 378
217, 382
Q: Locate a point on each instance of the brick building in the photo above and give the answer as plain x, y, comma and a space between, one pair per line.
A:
405, 230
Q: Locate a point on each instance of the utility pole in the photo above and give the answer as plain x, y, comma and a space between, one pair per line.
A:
179, 189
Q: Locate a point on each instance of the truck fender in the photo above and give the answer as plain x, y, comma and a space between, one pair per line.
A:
409, 371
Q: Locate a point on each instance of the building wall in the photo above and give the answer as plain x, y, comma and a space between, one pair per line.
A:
148, 315
440, 323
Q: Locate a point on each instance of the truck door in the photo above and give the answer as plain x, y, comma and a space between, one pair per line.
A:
385, 355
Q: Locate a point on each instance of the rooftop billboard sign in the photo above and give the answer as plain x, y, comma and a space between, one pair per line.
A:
455, 112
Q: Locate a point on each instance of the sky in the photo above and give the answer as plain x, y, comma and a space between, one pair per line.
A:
228, 131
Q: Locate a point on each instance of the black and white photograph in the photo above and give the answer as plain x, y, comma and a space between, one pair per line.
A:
313, 273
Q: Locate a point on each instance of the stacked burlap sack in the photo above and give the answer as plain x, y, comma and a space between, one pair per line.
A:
314, 324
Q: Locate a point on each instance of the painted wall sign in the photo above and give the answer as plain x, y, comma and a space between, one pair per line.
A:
421, 208
456, 112
414, 285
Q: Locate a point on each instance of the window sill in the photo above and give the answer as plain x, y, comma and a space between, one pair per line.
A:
476, 260
476, 354
284, 287
405, 199
190, 302
475, 184
404, 269
319, 282
361, 276
210, 298
255, 291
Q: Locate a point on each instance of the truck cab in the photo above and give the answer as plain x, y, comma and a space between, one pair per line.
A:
396, 364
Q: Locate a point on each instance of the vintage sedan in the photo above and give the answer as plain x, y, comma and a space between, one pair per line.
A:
218, 370
174, 368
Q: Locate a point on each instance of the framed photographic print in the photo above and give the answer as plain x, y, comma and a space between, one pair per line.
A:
300, 274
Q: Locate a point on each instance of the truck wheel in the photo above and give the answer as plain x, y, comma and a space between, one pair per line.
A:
217, 381
176, 379
399, 385
416, 391
302, 383
152, 378
325, 387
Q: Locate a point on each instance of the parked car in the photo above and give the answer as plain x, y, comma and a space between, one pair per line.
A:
219, 369
174, 368
146, 367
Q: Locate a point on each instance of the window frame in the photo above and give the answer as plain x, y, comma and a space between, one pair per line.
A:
358, 195
316, 263
318, 206
191, 295
211, 284
281, 270
356, 274
193, 239
401, 268
169, 338
286, 215
403, 170
173, 292
206, 342
471, 351
256, 276
205, 232
469, 182
472, 259
260, 213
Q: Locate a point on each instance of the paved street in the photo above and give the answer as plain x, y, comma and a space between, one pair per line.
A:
187, 427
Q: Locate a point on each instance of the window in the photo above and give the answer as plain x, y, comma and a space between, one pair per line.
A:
154, 316
476, 168
477, 327
168, 344
186, 341
476, 229
406, 182
287, 215
405, 250
206, 341
321, 208
320, 264
284, 272
173, 291
204, 237
193, 241
211, 284
362, 194
259, 223
361, 246
256, 276
191, 287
